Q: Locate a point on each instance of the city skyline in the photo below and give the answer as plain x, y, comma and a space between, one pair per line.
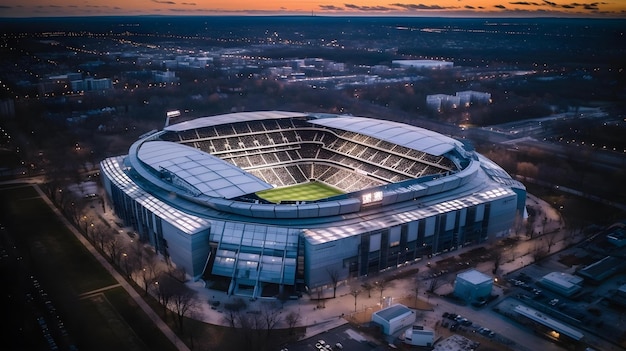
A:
422, 8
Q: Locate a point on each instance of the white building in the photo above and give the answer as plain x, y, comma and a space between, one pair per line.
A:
472, 285
422, 64
394, 318
418, 336
439, 102
468, 97
562, 283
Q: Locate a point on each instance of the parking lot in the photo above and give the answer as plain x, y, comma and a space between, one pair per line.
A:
345, 337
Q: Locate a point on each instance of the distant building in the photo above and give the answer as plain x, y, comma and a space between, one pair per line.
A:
91, 84
423, 64
418, 336
602, 269
468, 97
561, 283
394, 318
164, 76
617, 235
472, 285
439, 102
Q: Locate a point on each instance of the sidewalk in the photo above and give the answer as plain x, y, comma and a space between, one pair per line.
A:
338, 309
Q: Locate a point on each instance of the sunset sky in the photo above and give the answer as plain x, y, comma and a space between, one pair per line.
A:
459, 8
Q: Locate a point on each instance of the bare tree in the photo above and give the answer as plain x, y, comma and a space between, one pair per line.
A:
270, 315
112, 246
100, 236
530, 231
497, 259
416, 290
435, 283
165, 287
538, 253
321, 302
292, 318
381, 285
183, 303
551, 240
367, 286
334, 278
355, 293
149, 272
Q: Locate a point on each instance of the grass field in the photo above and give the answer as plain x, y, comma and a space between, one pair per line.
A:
107, 321
301, 192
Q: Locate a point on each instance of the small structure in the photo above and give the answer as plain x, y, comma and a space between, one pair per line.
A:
561, 283
422, 64
394, 318
548, 326
617, 236
601, 270
418, 336
472, 285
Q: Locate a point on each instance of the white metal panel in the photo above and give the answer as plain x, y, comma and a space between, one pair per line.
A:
375, 242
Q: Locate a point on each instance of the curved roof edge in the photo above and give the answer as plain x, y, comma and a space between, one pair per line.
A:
206, 174
398, 133
231, 118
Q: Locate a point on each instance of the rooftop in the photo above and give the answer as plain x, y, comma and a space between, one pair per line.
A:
475, 277
393, 311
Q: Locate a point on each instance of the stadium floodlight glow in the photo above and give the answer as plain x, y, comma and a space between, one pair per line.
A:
372, 197
174, 113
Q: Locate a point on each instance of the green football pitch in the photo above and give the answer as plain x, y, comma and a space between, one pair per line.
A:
300, 192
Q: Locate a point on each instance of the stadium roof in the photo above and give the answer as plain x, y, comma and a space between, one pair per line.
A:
185, 222
231, 118
204, 173
402, 134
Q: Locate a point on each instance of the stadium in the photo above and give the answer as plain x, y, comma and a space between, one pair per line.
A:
273, 202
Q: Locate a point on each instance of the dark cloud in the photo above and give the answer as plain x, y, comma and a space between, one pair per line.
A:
526, 3
331, 8
500, 6
368, 8
553, 4
469, 7
3, 7
164, 2
189, 3
421, 7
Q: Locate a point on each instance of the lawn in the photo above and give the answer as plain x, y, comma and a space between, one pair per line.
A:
110, 321
301, 192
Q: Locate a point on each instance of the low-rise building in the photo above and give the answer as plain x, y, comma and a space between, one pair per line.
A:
472, 285
394, 318
418, 336
561, 283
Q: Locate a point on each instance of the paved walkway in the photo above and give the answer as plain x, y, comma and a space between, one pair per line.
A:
318, 320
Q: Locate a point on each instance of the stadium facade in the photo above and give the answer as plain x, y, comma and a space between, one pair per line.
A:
192, 191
